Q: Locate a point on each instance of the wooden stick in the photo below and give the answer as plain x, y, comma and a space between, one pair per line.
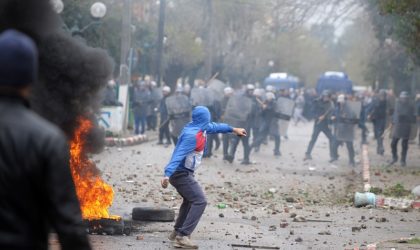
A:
254, 247
213, 77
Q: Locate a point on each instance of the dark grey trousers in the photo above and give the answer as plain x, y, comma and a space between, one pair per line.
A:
193, 205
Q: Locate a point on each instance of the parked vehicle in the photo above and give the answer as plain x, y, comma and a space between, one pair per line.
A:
282, 81
335, 82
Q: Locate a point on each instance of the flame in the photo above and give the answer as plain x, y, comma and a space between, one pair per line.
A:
95, 196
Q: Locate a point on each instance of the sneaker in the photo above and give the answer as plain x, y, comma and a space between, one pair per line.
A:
403, 164
172, 236
277, 153
184, 242
307, 157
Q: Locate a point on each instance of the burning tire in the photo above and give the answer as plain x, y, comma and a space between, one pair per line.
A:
107, 226
153, 214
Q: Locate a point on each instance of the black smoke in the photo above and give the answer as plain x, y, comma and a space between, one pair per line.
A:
71, 74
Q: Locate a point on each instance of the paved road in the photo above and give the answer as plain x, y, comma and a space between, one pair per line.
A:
319, 190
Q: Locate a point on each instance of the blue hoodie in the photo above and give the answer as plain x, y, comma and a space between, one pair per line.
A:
191, 143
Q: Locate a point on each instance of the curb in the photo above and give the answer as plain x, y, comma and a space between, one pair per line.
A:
127, 141
366, 168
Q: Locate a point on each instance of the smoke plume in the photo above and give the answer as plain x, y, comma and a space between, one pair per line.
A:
71, 74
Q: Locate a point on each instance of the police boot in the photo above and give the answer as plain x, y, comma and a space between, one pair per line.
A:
229, 158
394, 160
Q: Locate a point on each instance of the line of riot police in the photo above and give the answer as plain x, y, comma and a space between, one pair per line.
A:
267, 113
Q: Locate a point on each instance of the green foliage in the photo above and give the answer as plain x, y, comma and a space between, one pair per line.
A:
395, 61
414, 241
246, 35
397, 190
376, 190
405, 16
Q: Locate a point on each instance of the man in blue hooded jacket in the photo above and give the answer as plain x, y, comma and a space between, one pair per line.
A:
180, 172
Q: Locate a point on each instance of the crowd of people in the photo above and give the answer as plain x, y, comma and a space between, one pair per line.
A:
267, 112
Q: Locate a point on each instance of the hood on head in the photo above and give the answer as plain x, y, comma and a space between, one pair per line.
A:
201, 116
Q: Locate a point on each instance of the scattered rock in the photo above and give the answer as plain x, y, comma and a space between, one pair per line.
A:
299, 239
299, 219
327, 215
284, 224
253, 218
292, 232
293, 215
290, 199
140, 237
272, 228
383, 219
325, 233
356, 229
221, 215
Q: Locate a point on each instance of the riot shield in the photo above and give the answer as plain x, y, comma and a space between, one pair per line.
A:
177, 124
354, 109
178, 104
238, 109
346, 121
202, 97
217, 87
284, 108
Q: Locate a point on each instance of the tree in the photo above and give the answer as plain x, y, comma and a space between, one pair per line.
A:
405, 23
394, 62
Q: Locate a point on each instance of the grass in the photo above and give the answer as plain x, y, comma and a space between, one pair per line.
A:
414, 241
397, 190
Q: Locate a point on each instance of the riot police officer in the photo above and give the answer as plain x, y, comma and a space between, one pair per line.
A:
323, 109
269, 124
377, 113
404, 126
240, 110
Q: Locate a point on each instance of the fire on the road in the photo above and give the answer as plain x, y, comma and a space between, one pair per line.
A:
95, 196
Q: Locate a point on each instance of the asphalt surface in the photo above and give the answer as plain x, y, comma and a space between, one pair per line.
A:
263, 198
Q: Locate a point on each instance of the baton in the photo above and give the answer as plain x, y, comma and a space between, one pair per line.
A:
164, 123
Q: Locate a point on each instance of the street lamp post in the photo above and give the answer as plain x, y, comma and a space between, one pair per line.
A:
125, 74
160, 42
97, 11
57, 5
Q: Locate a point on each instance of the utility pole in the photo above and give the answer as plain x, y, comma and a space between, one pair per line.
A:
161, 29
125, 74
209, 59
